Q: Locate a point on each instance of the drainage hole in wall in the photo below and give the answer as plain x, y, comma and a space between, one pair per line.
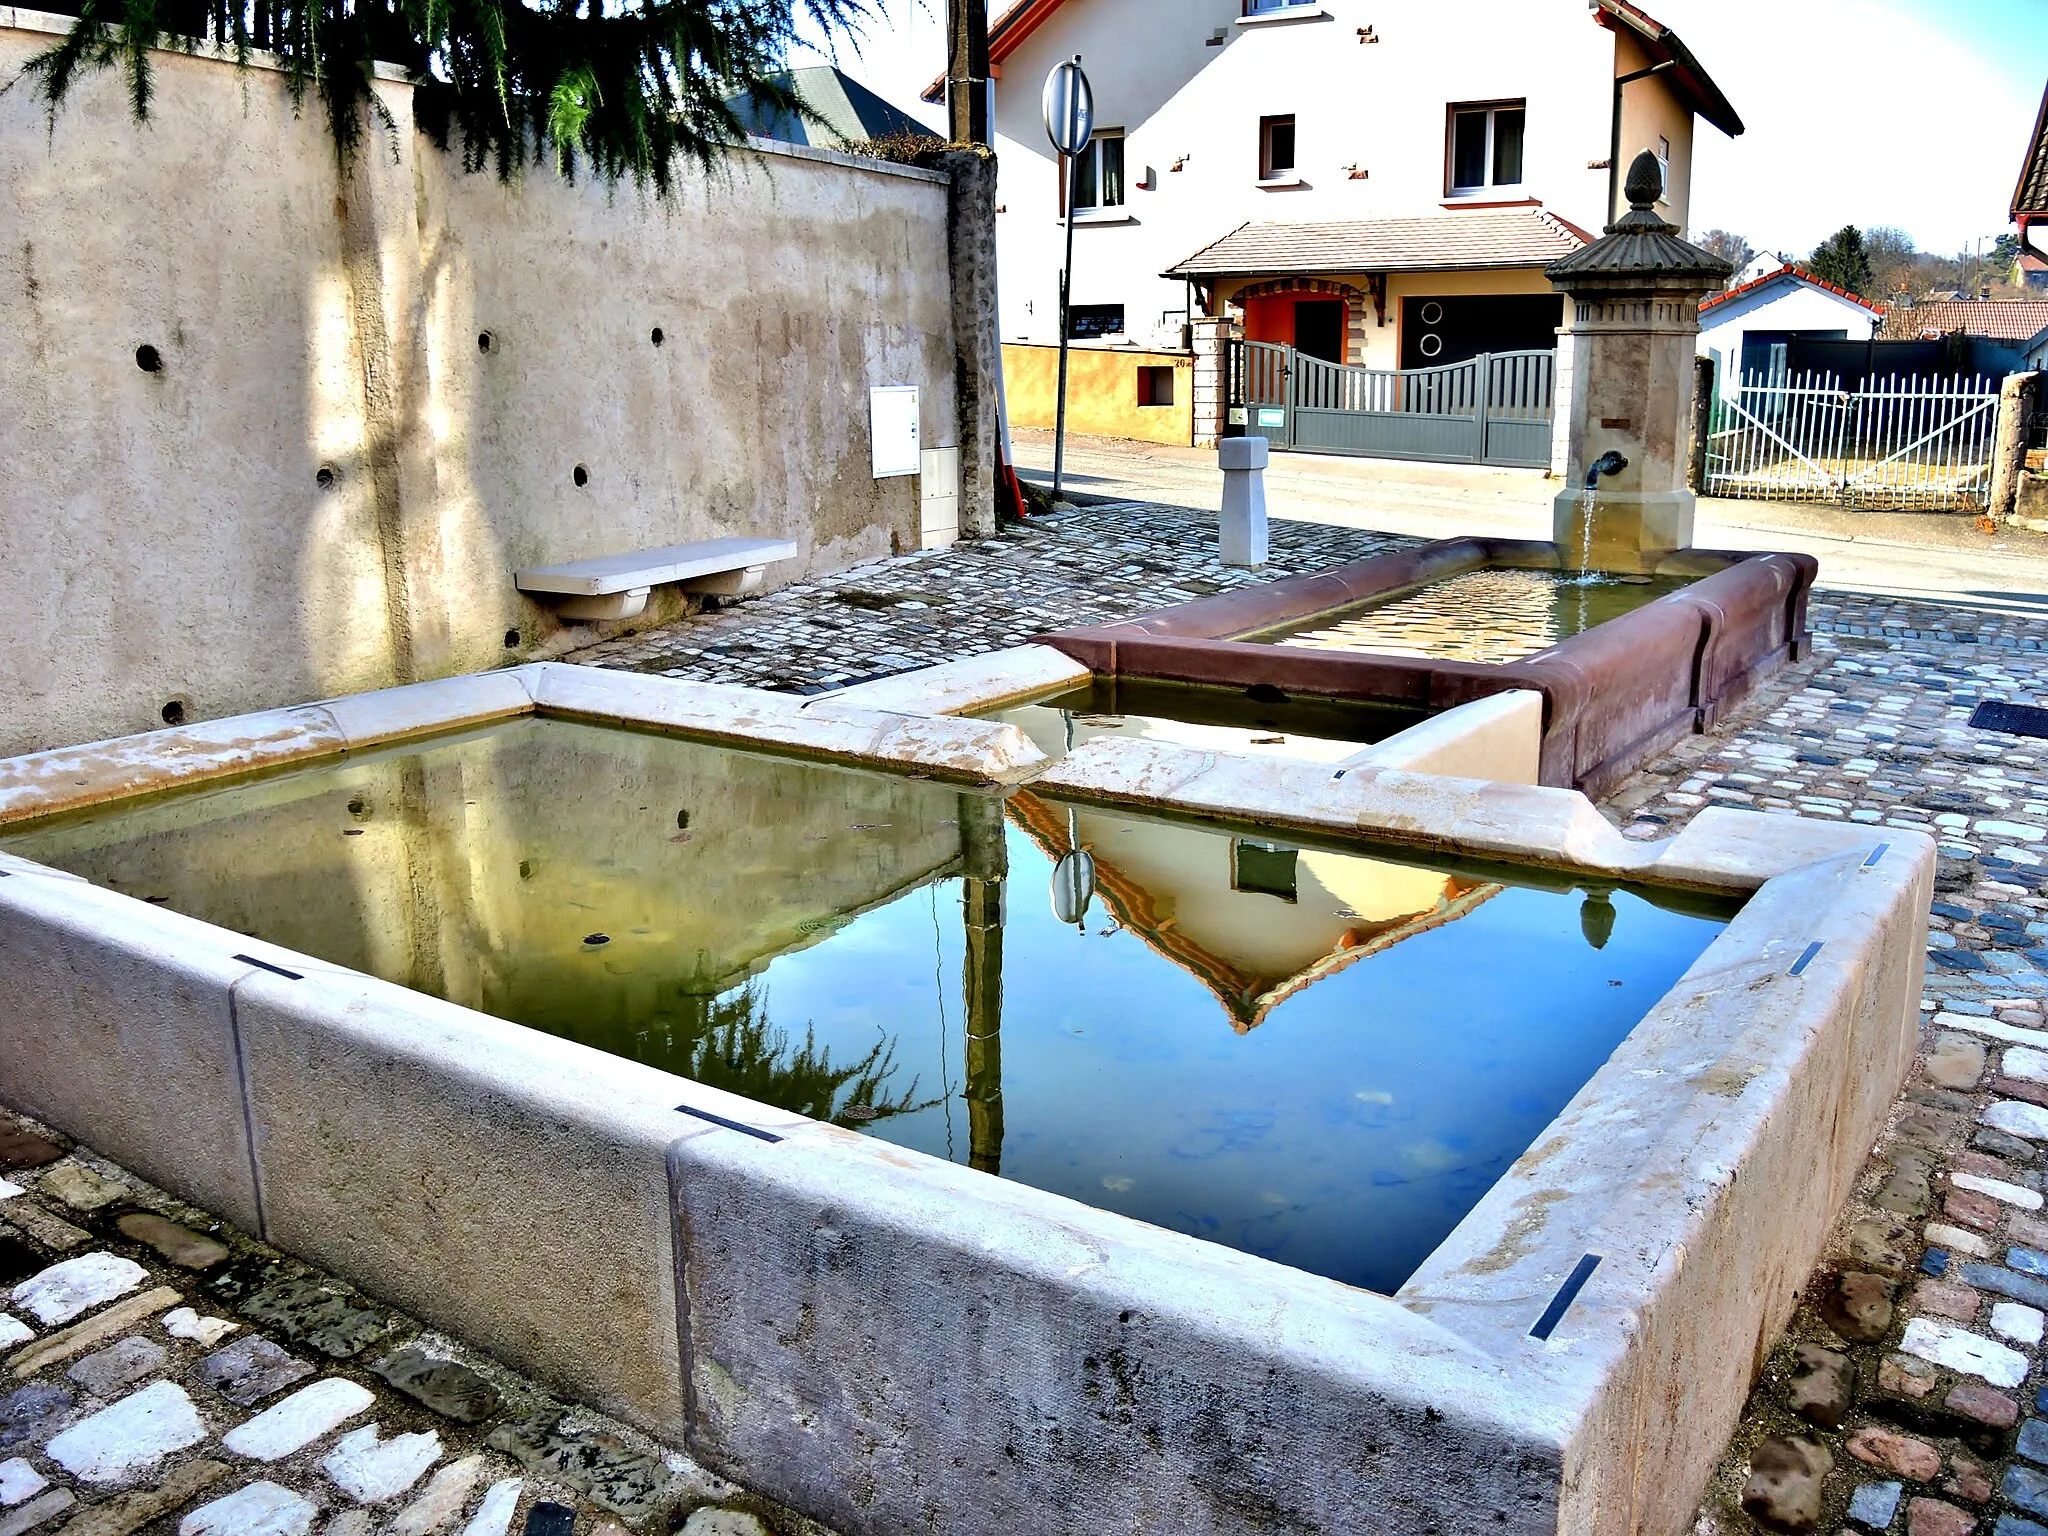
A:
324, 477
148, 359
511, 639
657, 338
485, 341
174, 711
581, 475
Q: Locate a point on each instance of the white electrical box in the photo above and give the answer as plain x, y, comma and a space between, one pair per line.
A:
892, 425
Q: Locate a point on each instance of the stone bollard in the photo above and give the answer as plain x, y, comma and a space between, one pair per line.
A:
1243, 531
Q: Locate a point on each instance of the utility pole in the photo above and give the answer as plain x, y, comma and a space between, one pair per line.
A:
967, 71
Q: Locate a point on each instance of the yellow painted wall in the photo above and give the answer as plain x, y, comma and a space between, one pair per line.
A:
1102, 392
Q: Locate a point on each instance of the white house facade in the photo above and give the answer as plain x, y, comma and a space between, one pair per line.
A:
1377, 184
1748, 330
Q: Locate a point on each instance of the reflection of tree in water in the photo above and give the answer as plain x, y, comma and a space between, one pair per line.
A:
727, 1042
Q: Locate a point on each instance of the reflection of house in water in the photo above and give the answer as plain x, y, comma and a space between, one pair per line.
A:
1256, 923
476, 867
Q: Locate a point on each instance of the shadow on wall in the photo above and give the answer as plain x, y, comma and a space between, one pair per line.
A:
363, 404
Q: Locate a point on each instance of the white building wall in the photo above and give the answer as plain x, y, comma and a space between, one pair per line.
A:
1785, 306
1379, 107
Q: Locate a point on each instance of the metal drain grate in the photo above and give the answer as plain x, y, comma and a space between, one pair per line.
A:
2012, 719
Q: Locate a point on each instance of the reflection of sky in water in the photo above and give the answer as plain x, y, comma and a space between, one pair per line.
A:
1345, 1135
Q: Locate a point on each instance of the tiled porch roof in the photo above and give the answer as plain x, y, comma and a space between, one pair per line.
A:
1503, 237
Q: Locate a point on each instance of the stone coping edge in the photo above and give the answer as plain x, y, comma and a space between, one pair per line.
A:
72, 778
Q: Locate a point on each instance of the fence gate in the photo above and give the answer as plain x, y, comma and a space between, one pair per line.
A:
1494, 409
1905, 444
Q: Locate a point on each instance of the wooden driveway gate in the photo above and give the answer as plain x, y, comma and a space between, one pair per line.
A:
1495, 408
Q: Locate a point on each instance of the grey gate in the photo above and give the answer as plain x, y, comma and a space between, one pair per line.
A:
1494, 409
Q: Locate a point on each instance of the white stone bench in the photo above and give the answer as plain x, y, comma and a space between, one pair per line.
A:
616, 586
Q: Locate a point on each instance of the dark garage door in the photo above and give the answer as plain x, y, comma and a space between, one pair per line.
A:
1452, 330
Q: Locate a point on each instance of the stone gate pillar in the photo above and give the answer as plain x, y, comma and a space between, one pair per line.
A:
1211, 341
1634, 318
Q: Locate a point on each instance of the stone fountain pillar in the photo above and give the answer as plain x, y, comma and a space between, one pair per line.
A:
1635, 319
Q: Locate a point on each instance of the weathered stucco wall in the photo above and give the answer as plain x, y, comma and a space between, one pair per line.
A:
171, 534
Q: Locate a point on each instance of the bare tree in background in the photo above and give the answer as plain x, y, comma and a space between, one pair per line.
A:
1729, 246
1894, 261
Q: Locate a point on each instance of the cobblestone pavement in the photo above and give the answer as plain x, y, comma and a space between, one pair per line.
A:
894, 615
166, 1373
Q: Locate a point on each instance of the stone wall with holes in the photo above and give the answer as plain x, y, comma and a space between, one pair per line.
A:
275, 430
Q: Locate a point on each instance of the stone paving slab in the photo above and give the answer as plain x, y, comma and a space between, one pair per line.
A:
162, 1371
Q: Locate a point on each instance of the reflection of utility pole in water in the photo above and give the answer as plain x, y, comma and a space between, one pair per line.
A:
985, 866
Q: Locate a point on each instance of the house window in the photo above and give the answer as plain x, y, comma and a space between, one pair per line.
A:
1099, 173
1086, 320
1263, 869
1276, 147
1664, 167
1155, 385
1267, 7
1486, 146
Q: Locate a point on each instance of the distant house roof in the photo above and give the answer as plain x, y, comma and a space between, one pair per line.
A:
1789, 273
1687, 76
1505, 237
847, 112
2029, 262
2030, 197
1997, 319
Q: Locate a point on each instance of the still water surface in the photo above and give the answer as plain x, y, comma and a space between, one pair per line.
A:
1488, 615
1322, 1058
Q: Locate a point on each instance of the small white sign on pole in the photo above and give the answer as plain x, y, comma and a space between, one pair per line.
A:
892, 429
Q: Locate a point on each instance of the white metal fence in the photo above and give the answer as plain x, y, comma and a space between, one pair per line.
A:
1901, 443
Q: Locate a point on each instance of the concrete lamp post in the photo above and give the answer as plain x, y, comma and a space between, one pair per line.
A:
1635, 296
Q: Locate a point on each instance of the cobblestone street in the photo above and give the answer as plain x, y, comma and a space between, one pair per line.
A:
167, 1373
1082, 567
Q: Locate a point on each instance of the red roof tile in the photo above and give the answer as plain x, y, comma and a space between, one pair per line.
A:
1788, 270
1998, 319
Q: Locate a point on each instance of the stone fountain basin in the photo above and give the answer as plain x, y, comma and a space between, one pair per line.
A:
1613, 696
893, 1343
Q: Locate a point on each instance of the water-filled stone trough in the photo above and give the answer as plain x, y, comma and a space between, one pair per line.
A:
933, 1131
1626, 664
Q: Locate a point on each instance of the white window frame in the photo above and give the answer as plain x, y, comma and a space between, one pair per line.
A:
1492, 109
1093, 154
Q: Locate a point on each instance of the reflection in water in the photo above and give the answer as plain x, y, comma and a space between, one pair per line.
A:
728, 1043
1487, 615
1260, 720
1321, 1058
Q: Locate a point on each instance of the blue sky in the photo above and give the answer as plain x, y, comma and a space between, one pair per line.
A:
1905, 112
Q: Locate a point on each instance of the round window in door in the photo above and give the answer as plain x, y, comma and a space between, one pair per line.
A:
1436, 332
